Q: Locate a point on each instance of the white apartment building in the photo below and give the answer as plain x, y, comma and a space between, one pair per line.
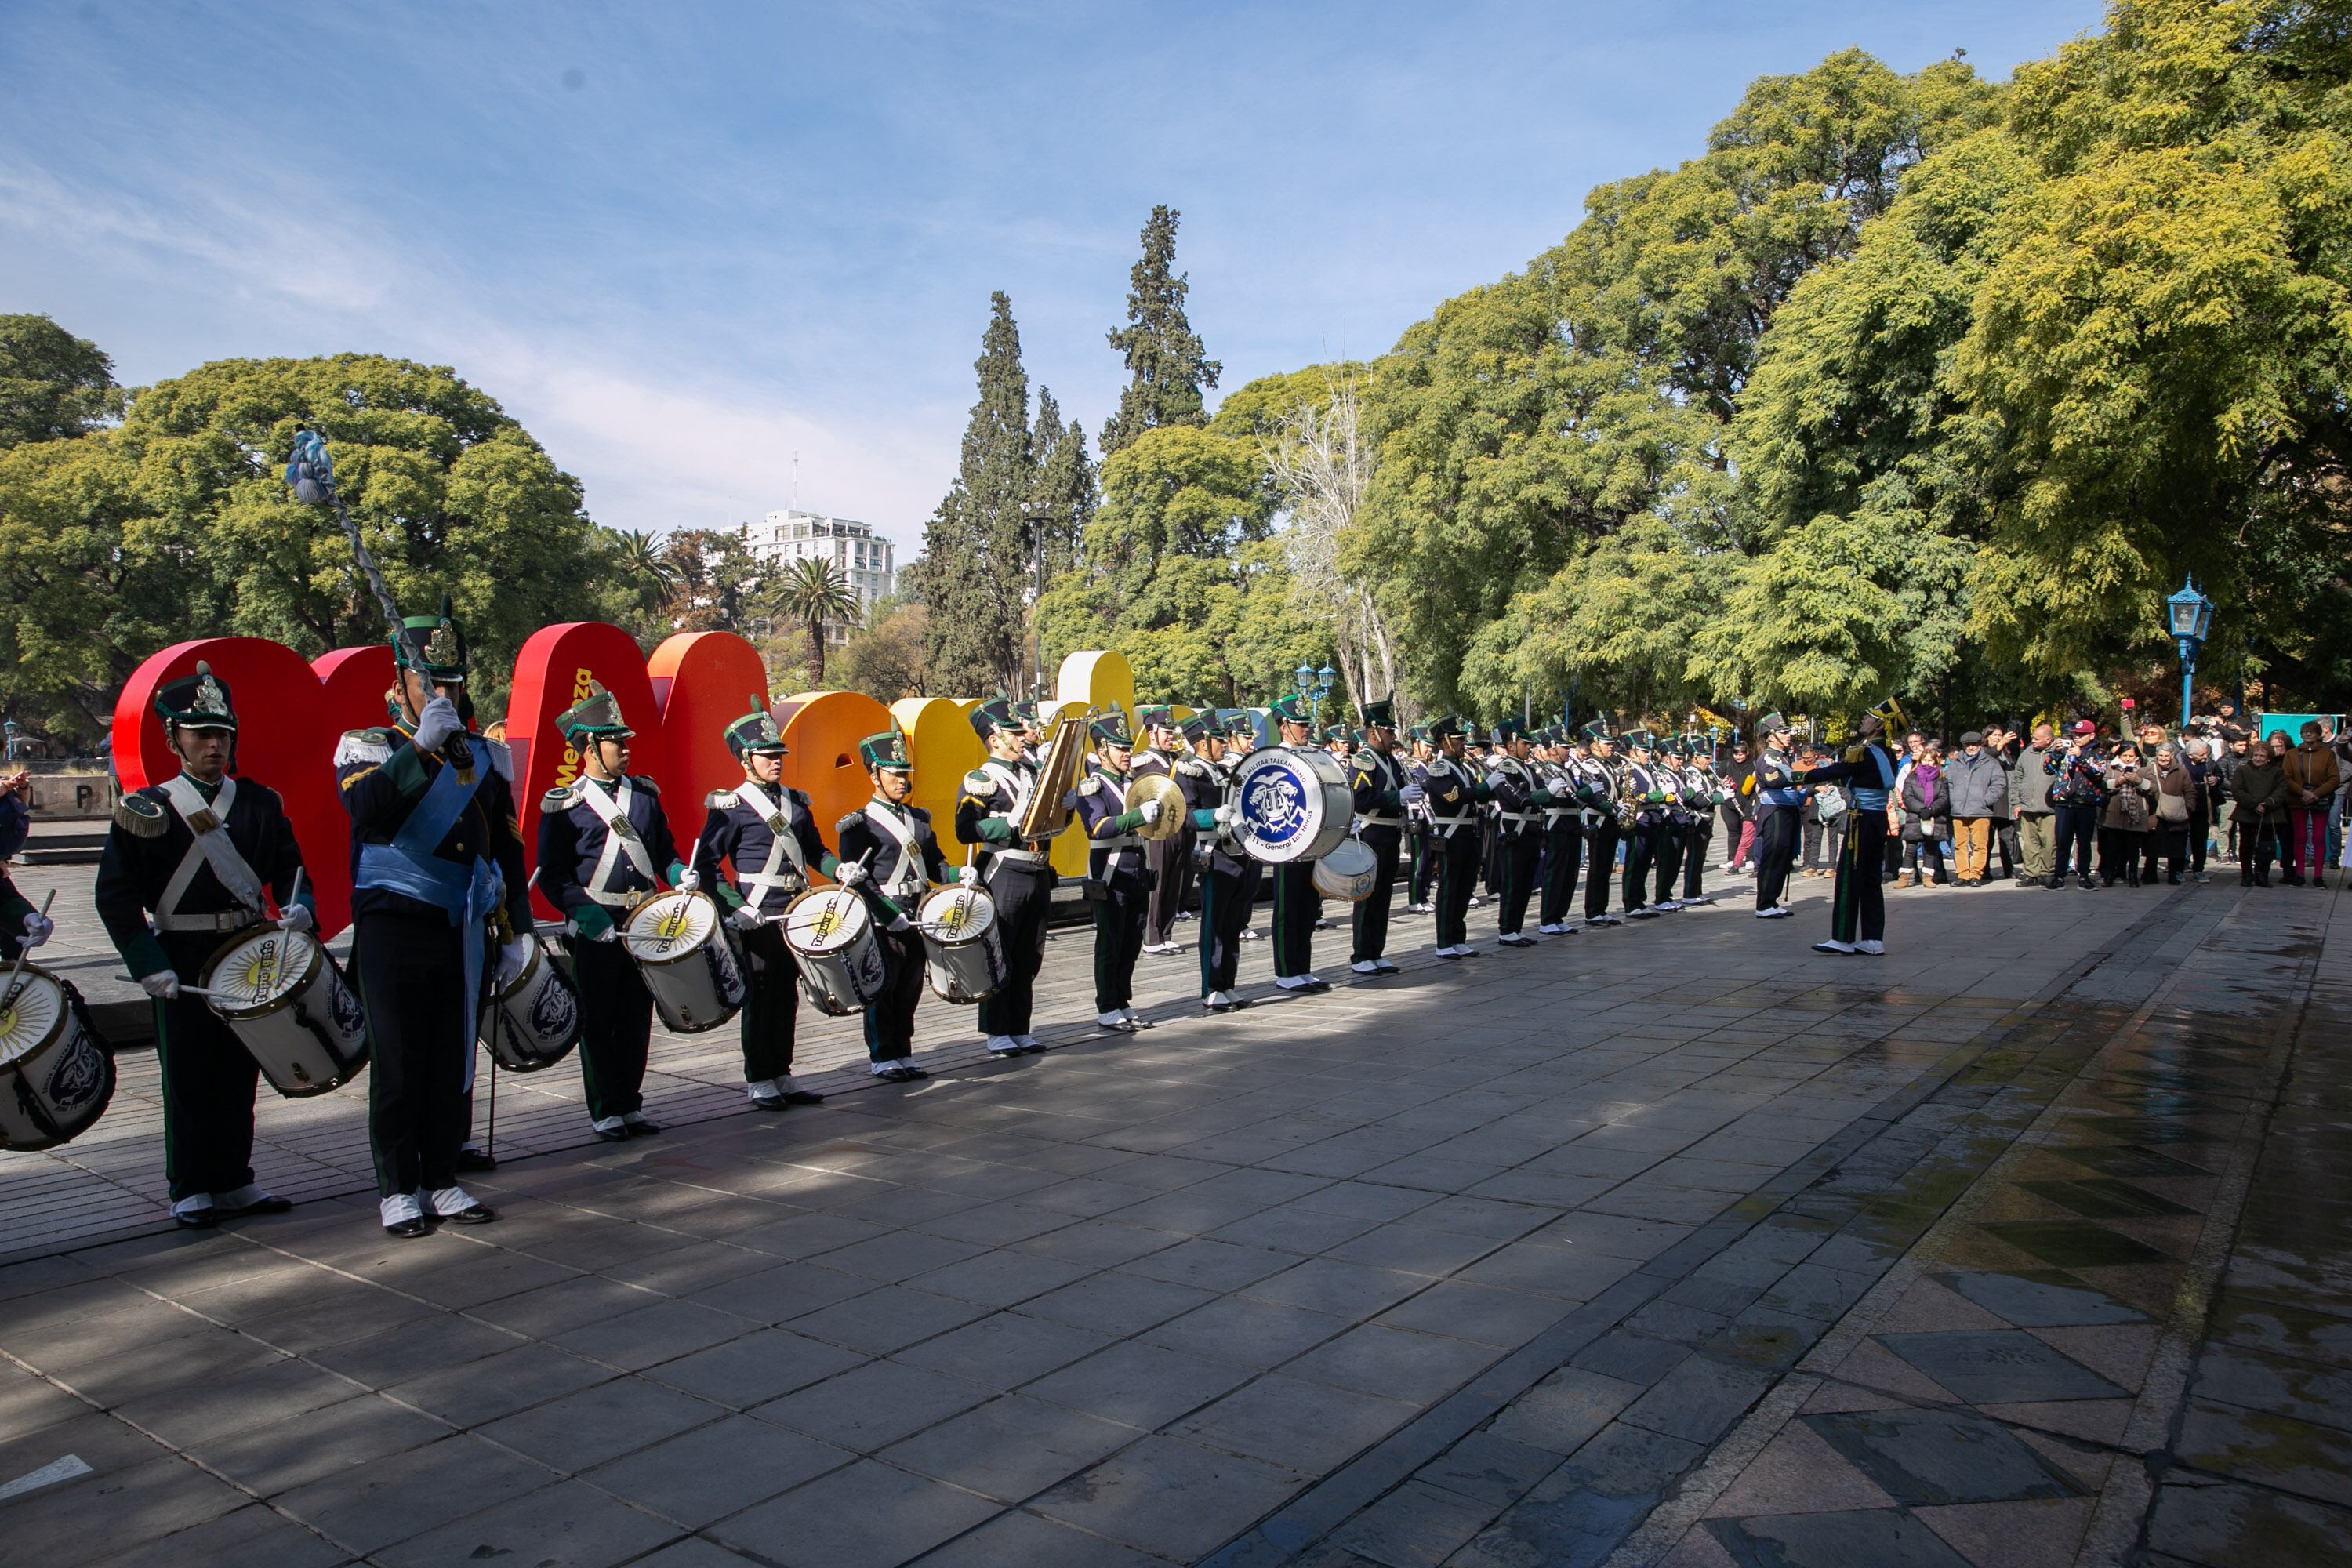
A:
865, 558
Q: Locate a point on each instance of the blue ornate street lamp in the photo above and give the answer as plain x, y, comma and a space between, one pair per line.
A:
2189, 616
1315, 685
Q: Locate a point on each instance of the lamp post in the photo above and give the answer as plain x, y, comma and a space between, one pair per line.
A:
1315, 685
1034, 516
2188, 615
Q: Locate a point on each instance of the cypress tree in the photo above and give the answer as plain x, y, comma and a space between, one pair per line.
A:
1167, 367
975, 547
1065, 485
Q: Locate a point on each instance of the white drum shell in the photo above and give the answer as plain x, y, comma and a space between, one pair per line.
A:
1295, 804
841, 969
533, 1020
67, 1071
964, 944
1347, 872
695, 976
309, 1037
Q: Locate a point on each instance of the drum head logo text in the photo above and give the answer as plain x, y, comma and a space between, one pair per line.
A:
1276, 806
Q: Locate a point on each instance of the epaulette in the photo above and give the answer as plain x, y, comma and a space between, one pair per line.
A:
1090, 785
979, 781
501, 759
1192, 767
363, 746
557, 799
722, 799
1857, 751
843, 825
142, 816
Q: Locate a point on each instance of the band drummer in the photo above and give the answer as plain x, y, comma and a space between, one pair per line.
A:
437, 875
603, 844
762, 830
1296, 906
1382, 792
890, 858
22, 927
1016, 871
1858, 901
1115, 865
1165, 755
1229, 879
185, 866
1454, 790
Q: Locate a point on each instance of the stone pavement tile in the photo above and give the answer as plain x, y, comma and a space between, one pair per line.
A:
2041, 1534
1878, 1376
2268, 1450
490, 1275
694, 1552
873, 1405
887, 1319
2120, 1352
1116, 1303
712, 1471
500, 1385
2006, 1364
1415, 1248
1143, 1385
2283, 1328
866, 1515
1562, 1413
683, 1271
1245, 1332
1170, 1497
772, 1295
1416, 1526
1487, 1313
1487, 1468
2226, 1525
1210, 1264
761, 1365
2098, 1421
1931, 1305
102, 1443
567, 1522
303, 1448
30, 1404
1698, 1548
414, 1349
237, 1403
1700, 1398
1797, 1472
1362, 1200
566, 1304
269, 1292
1882, 1538
34, 1276
1001, 1277
1398, 1363
1485, 1216
2076, 1244
1303, 1427
1010, 1447
901, 1255
1939, 1457
1633, 1357
2087, 1464
998, 1224
84, 1521
806, 1234
1343, 1290
303, 1328
251, 1537
1015, 1537
650, 1335
1099, 1243
1613, 1236
1085, 1197
1295, 1227
1004, 1350
585, 1428
1580, 1512
2283, 1385
375, 1504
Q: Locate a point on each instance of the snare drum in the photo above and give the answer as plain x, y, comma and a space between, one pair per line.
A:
533, 1020
1347, 872
685, 960
964, 944
831, 935
283, 998
1294, 805
56, 1073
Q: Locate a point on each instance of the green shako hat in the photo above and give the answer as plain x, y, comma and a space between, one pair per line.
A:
1289, 710
431, 646
755, 732
1379, 715
1440, 729
1773, 723
992, 715
1110, 728
887, 749
198, 701
1195, 729
1156, 717
1237, 721
1638, 740
595, 717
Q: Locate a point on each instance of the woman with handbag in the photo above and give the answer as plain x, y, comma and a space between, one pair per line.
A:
2178, 810
2124, 820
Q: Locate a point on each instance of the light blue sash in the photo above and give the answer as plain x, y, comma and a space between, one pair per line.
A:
408, 866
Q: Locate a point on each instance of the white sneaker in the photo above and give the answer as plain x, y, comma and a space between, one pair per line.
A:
1161, 948
1002, 1045
1776, 912
1833, 946
1366, 967
399, 1208
1870, 946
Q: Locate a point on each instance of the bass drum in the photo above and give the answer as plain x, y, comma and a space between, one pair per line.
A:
685, 960
56, 1073
831, 936
283, 998
1347, 872
533, 1020
1294, 805
963, 943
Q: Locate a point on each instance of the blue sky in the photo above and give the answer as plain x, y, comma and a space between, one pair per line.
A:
683, 241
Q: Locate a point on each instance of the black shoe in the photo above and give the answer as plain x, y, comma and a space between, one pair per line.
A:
475, 1159
2262, 878
196, 1219
641, 1128
609, 1134
912, 1071
409, 1229
2131, 878
767, 1102
2054, 883
273, 1204
472, 1214
1218, 1006
2245, 876
2172, 880
807, 1095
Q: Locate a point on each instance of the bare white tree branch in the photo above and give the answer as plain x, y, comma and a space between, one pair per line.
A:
1318, 459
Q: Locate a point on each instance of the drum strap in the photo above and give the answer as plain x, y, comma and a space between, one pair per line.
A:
621, 838
208, 821
784, 848
911, 880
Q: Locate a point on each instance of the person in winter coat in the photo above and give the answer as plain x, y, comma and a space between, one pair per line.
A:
2258, 790
2124, 819
2029, 808
2177, 817
1978, 787
1927, 800
2312, 780
2078, 790
1738, 811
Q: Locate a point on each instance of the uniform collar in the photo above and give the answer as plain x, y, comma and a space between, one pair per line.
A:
211, 791
889, 805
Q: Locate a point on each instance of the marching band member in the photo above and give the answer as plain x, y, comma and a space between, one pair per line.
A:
1779, 809
891, 858
1700, 797
1229, 880
762, 829
1857, 902
1639, 787
1170, 858
1017, 872
1563, 837
197, 850
1419, 890
1296, 904
1121, 883
22, 927
1519, 798
436, 860
603, 844
1383, 791
1454, 790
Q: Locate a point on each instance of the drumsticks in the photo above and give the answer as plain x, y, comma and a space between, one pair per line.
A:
24, 951
197, 991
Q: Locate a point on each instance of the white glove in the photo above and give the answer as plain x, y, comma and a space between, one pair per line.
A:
513, 958
38, 927
851, 875
969, 876
1148, 811
899, 924
1413, 794
689, 880
163, 984
296, 917
1228, 814
436, 724
745, 918
610, 933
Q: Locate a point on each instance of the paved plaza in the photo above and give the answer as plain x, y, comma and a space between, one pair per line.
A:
1674, 1244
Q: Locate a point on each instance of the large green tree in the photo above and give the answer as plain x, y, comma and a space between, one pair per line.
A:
1169, 371
53, 386
976, 563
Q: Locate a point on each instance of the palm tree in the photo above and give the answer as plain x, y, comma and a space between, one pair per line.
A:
813, 591
642, 561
